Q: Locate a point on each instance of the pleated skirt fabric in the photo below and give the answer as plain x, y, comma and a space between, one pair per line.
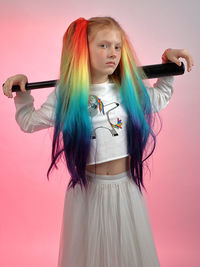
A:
106, 226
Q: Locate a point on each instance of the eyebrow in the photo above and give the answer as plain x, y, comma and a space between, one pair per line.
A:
105, 41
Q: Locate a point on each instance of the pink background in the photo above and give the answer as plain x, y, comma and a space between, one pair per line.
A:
31, 207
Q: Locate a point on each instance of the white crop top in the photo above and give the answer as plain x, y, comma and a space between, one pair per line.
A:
108, 137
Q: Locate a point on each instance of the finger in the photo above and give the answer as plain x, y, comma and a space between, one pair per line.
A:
178, 62
189, 62
22, 86
192, 61
6, 91
4, 88
9, 88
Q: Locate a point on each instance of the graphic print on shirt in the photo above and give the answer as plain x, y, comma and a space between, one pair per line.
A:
93, 103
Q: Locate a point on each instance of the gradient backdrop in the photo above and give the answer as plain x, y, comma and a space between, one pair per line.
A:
31, 207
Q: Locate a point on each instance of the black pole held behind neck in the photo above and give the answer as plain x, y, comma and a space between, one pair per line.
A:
151, 71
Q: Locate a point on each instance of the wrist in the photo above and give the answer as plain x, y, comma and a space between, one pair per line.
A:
164, 56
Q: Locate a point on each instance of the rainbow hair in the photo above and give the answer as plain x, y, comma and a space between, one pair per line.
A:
136, 102
73, 125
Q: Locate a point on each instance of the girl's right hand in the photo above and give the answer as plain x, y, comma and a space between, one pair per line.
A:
18, 79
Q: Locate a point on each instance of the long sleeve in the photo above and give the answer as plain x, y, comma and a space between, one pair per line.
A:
31, 120
161, 92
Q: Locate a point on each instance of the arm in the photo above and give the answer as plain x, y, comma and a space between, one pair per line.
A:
161, 92
31, 120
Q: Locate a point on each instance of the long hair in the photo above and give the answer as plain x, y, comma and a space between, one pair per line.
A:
72, 122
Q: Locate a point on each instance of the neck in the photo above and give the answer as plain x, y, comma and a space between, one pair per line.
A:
96, 79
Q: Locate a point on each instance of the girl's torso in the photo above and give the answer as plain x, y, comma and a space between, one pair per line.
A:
108, 146
110, 167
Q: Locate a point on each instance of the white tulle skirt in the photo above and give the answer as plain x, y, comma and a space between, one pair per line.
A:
107, 226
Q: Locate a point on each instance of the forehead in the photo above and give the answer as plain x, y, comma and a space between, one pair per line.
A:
109, 35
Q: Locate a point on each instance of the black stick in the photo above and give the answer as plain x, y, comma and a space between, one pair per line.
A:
151, 71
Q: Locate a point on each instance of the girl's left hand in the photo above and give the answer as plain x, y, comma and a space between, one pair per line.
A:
174, 54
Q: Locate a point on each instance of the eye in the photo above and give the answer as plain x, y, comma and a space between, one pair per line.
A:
119, 47
103, 45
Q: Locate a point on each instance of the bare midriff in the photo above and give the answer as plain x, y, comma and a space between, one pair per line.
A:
110, 167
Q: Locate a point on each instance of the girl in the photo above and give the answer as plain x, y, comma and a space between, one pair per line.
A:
103, 116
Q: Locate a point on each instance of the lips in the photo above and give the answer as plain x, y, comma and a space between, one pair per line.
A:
111, 63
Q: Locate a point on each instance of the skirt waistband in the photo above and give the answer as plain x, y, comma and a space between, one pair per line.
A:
104, 178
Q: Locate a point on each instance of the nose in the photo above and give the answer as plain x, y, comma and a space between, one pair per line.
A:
112, 52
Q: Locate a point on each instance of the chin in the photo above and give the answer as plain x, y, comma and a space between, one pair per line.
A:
110, 72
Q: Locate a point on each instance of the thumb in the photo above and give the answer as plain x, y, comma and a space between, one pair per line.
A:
178, 62
22, 86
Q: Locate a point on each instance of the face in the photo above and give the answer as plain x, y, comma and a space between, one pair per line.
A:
105, 47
